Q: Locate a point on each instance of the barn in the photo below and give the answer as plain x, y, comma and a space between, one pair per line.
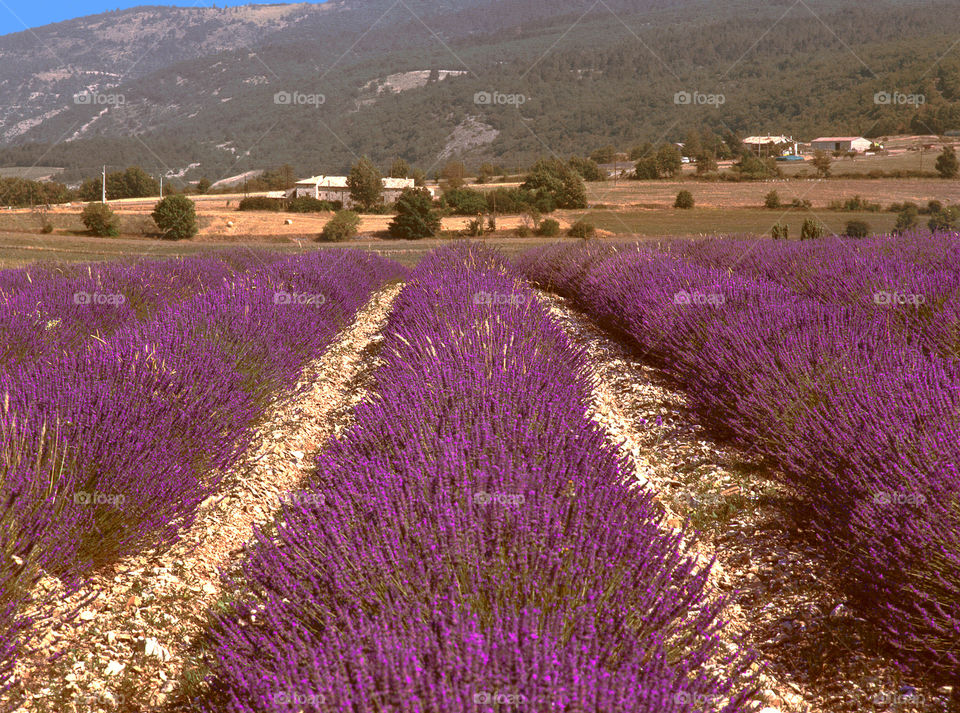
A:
335, 188
841, 143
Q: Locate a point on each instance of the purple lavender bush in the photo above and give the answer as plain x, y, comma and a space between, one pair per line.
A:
862, 420
471, 543
111, 443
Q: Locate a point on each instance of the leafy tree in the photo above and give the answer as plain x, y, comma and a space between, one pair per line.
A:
780, 231
684, 200
486, 172
100, 220
548, 228
366, 184
822, 162
706, 162
857, 229
944, 220
342, 226
419, 177
176, 216
604, 154
669, 161
20, 192
812, 229
692, 144
906, 219
399, 169
772, 201
581, 229
588, 169
752, 168
308, 204
203, 185
454, 173
947, 165
646, 169
641, 151
415, 217
553, 178
464, 201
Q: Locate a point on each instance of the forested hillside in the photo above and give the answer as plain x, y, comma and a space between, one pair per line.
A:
503, 81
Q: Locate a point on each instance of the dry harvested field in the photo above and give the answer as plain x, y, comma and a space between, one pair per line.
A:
719, 194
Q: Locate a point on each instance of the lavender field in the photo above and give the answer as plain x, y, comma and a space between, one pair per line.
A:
468, 532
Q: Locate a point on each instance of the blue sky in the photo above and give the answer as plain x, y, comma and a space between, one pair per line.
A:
16, 15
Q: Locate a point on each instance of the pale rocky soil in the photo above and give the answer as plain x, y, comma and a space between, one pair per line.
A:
814, 655
132, 646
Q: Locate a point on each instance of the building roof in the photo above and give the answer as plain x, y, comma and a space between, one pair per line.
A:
341, 182
836, 139
324, 181
764, 140
394, 183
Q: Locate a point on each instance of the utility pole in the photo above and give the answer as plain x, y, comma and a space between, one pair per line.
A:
103, 186
161, 186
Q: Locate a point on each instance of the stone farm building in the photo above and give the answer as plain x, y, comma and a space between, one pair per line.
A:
841, 143
334, 188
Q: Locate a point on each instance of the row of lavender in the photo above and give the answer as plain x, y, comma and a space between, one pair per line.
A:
116, 425
863, 422
470, 543
912, 281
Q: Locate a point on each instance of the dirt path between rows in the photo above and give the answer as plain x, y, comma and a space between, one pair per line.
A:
130, 649
814, 655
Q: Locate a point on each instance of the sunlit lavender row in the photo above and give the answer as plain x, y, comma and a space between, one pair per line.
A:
472, 543
119, 413
856, 399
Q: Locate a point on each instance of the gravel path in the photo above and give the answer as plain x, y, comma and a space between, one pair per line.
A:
130, 648
814, 654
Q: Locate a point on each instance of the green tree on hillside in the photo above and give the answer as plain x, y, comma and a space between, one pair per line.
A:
399, 169
947, 165
365, 183
176, 216
669, 161
415, 217
822, 162
553, 178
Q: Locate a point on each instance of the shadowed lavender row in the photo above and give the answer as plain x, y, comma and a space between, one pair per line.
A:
864, 423
109, 447
471, 542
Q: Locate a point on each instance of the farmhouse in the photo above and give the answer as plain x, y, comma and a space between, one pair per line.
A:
772, 145
841, 143
335, 188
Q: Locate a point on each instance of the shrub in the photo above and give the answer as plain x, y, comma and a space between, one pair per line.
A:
474, 228
857, 229
906, 218
812, 229
415, 217
684, 200
523, 231
944, 220
47, 228
801, 203
519, 200
100, 220
772, 200
176, 216
343, 226
308, 204
548, 228
464, 201
260, 203
550, 177
780, 231
581, 229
